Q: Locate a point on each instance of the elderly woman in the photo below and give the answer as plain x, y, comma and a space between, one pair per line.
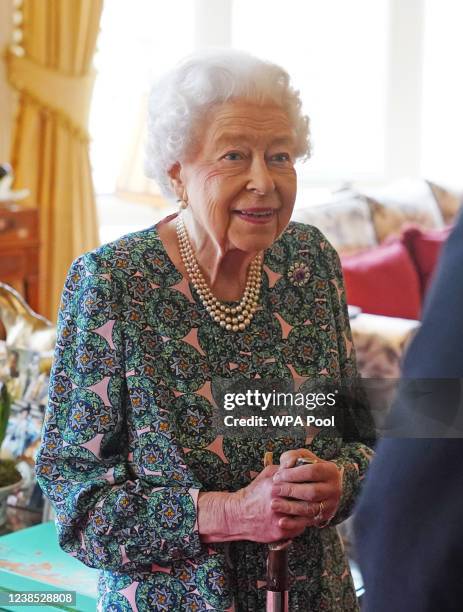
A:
175, 516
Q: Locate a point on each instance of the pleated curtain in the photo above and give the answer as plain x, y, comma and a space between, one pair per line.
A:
52, 72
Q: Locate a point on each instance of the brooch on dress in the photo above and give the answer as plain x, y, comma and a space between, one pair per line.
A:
298, 273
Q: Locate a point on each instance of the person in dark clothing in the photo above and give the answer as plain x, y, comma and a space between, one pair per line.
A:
409, 519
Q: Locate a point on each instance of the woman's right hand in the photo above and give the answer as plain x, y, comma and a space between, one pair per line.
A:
251, 510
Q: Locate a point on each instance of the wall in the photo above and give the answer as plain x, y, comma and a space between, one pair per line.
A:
6, 93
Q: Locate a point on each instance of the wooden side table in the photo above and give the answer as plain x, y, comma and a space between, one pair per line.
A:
19, 250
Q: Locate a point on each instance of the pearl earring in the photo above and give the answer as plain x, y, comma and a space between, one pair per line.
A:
183, 201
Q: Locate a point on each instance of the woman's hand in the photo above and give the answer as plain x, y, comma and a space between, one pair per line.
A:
278, 504
259, 520
246, 514
310, 491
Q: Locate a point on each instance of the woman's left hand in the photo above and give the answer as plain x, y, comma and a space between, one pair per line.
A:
312, 490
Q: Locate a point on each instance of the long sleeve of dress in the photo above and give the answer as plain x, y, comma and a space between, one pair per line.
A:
358, 427
121, 504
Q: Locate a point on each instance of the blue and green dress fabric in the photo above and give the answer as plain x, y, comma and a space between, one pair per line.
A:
128, 441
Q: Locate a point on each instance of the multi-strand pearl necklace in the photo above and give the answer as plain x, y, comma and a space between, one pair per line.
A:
235, 318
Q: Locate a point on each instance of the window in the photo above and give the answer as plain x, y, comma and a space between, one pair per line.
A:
336, 53
442, 116
139, 40
379, 80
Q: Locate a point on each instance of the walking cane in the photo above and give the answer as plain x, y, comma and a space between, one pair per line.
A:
277, 562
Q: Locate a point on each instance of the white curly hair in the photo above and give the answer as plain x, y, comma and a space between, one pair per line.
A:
181, 98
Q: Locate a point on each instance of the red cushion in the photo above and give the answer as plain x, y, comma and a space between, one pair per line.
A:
383, 281
424, 247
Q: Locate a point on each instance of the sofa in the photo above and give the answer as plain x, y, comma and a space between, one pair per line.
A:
389, 240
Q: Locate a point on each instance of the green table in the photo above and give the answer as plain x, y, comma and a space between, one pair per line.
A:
31, 560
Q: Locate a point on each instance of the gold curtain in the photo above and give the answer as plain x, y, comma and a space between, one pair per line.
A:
52, 71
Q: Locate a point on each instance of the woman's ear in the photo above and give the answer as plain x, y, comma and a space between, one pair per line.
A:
176, 180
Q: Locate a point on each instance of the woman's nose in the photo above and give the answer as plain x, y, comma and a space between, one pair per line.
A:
260, 177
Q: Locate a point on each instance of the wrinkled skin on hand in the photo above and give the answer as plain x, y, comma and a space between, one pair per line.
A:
278, 504
297, 490
261, 521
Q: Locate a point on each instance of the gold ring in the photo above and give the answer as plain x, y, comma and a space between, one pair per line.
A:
319, 524
319, 514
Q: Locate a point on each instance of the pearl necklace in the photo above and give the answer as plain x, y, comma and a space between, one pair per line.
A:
231, 318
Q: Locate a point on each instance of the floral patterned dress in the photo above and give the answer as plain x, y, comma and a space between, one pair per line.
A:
127, 438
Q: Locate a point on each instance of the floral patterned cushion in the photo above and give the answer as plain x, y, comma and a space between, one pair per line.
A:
449, 201
345, 221
380, 343
401, 202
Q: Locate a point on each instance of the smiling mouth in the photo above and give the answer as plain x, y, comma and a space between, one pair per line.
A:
255, 214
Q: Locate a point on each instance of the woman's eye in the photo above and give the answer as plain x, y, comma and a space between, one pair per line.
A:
233, 156
281, 157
